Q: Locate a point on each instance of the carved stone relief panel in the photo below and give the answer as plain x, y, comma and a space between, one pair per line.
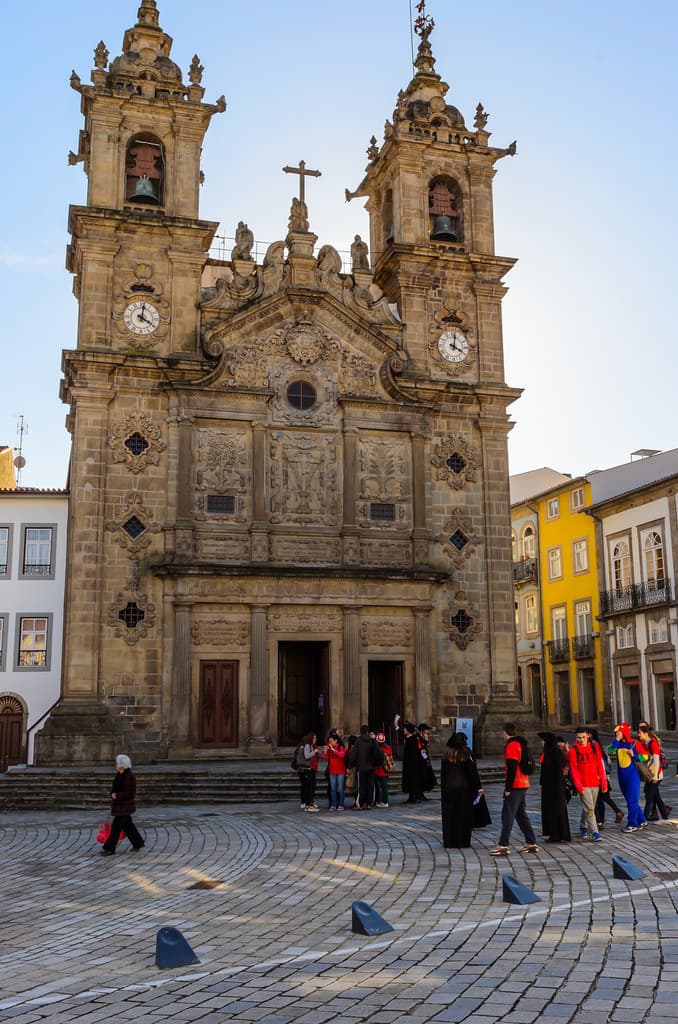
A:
222, 467
385, 483
224, 633
217, 548
455, 460
131, 614
306, 550
458, 540
132, 525
303, 478
136, 441
386, 552
387, 633
305, 620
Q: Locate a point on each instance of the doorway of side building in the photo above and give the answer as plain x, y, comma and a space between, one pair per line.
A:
218, 704
303, 691
384, 696
534, 671
11, 732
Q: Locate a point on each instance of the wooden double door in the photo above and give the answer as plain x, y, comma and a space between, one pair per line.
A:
11, 733
303, 691
218, 704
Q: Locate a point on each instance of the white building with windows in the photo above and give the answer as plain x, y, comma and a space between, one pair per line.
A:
637, 529
33, 526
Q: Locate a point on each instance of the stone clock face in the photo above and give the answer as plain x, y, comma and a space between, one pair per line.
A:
141, 317
453, 346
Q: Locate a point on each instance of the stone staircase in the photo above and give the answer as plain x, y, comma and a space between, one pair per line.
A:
241, 782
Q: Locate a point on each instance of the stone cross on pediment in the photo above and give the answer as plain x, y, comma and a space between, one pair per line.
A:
303, 173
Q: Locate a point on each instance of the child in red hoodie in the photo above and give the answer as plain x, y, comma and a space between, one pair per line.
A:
382, 771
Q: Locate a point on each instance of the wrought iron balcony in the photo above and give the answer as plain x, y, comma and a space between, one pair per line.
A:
37, 569
525, 569
559, 650
582, 646
637, 595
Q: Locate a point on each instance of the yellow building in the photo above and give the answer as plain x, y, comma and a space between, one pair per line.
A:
7, 475
570, 607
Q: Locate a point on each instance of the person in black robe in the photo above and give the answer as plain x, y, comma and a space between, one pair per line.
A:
555, 823
459, 787
428, 776
412, 765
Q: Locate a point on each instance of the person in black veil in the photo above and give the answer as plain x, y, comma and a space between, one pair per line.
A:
554, 820
460, 787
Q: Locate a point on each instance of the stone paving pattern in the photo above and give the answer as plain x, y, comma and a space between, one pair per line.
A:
77, 931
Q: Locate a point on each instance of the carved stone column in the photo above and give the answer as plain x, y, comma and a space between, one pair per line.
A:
183, 530
422, 664
420, 533
259, 742
259, 530
181, 739
350, 538
352, 709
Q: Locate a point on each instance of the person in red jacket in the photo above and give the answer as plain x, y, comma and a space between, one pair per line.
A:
515, 790
589, 777
335, 755
382, 771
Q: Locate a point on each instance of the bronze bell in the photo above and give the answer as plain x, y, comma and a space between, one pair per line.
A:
143, 191
443, 229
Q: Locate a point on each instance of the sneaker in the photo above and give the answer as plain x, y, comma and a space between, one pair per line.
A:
333, 808
630, 828
312, 809
108, 853
303, 806
583, 833
596, 837
340, 807
378, 804
529, 848
619, 816
643, 824
501, 851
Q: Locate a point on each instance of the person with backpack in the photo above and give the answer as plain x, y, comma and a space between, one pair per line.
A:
655, 808
382, 771
517, 766
306, 757
623, 747
605, 797
589, 777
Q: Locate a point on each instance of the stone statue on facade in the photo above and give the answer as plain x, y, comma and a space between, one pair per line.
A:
359, 255
298, 216
244, 241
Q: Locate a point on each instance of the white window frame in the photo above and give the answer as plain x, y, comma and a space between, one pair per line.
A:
529, 541
658, 631
577, 499
36, 631
531, 616
582, 615
579, 546
620, 564
8, 554
624, 636
553, 508
559, 622
654, 560
4, 636
50, 574
553, 555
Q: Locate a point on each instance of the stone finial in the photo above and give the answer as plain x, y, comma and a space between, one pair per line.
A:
424, 24
221, 104
373, 151
195, 71
148, 13
513, 148
75, 81
481, 118
388, 129
100, 55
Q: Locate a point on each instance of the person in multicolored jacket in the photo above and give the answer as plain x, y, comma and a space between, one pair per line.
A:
623, 748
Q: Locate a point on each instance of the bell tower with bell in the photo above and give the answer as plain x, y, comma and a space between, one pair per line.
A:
137, 251
429, 197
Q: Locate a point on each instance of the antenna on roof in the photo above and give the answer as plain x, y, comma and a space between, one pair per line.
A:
19, 461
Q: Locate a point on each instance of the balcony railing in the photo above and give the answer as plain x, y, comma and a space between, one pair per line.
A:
525, 569
37, 569
559, 650
582, 646
637, 595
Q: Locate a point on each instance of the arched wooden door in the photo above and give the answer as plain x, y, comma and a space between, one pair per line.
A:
11, 732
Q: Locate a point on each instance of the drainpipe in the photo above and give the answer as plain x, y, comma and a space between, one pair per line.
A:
544, 691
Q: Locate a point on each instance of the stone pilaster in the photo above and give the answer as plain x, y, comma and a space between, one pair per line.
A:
259, 743
352, 706
420, 533
259, 522
422, 665
350, 537
181, 679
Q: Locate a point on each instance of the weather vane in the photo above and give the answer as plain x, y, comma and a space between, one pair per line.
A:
424, 24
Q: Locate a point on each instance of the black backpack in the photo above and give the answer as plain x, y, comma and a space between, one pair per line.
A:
526, 761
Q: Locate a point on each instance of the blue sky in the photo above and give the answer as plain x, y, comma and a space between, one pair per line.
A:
588, 205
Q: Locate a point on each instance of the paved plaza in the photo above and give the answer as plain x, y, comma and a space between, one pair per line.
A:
263, 893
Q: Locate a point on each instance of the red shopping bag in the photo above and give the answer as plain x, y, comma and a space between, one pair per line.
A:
105, 831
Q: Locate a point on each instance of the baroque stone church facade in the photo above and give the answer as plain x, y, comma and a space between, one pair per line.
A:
289, 483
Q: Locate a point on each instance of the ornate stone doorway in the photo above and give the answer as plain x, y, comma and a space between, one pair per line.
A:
303, 695
385, 695
218, 704
11, 732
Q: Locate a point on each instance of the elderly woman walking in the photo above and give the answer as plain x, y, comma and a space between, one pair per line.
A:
123, 806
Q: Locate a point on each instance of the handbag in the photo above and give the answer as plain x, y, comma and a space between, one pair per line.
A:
351, 784
645, 771
105, 831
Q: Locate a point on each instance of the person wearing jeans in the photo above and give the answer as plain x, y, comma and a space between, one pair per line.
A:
516, 786
335, 755
588, 776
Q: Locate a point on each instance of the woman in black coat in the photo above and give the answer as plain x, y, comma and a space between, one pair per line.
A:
413, 783
123, 806
554, 820
459, 788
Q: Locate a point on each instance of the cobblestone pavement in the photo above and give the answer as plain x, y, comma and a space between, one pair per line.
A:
77, 931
